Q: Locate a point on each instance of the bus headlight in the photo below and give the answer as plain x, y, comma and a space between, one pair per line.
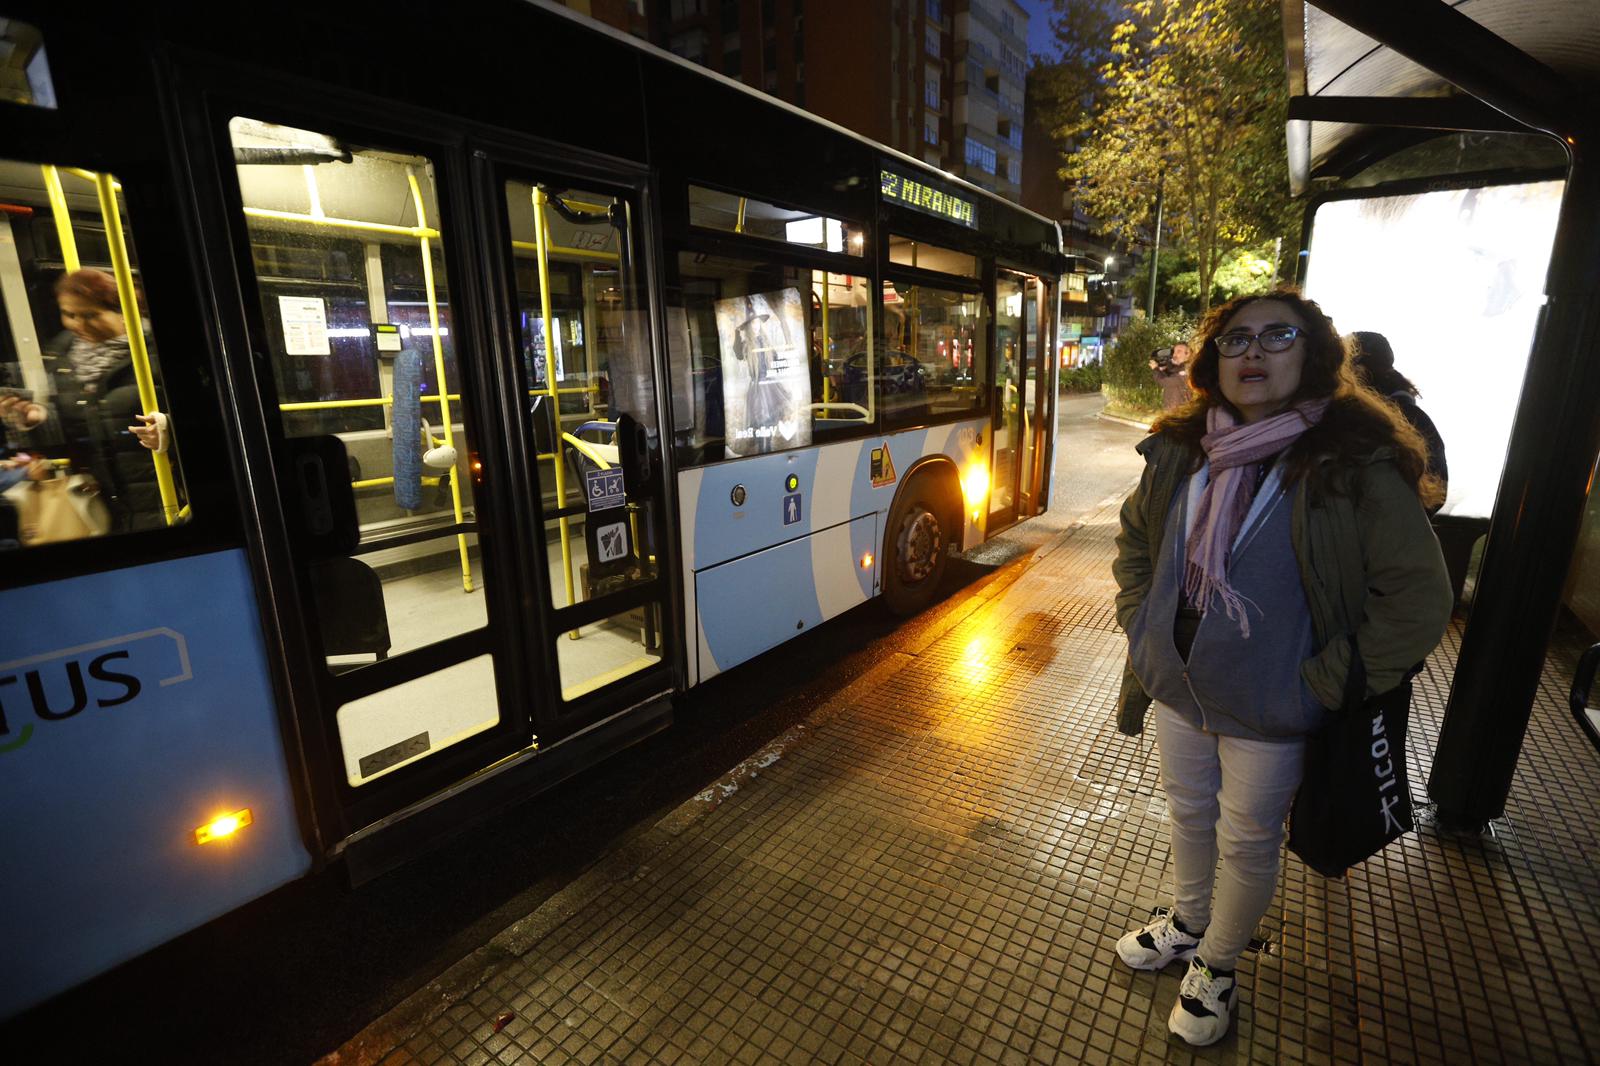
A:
975, 486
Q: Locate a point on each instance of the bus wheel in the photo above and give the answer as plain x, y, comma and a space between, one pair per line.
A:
914, 550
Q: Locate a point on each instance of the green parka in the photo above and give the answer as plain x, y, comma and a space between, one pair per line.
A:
1371, 568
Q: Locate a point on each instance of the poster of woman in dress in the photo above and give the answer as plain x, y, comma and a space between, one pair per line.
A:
766, 377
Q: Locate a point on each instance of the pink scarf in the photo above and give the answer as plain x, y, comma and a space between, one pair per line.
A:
1235, 453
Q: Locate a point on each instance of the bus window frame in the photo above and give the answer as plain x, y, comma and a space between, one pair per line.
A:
68, 137
972, 286
780, 253
317, 692
694, 230
506, 162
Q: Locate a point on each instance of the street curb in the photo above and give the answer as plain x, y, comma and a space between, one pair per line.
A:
630, 859
1133, 422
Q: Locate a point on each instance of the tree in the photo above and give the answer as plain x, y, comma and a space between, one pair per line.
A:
1192, 103
1068, 88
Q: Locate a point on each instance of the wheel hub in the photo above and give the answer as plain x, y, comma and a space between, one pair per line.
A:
920, 542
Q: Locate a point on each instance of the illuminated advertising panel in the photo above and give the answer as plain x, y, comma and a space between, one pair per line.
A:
1454, 279
766, 372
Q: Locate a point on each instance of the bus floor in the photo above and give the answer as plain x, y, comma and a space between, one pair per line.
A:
401, 725
934, 866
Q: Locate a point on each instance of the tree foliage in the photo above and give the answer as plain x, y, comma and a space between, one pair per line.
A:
1192, 102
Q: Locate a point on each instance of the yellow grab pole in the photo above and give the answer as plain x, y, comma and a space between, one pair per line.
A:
541, 243
825, 397
63, 217
137, 349
738, 226
438, 369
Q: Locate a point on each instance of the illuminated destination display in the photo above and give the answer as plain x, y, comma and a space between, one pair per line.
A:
926, 198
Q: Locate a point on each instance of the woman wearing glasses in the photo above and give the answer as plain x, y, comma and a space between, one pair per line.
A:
1280, 512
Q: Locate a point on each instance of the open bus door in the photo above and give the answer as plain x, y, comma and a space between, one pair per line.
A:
456, 386
1020, 429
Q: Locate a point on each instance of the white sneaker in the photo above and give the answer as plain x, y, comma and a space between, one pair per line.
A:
1157, 944
1204, 1007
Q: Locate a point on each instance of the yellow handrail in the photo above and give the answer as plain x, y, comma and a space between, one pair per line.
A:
559, 251
438, 368
587, 450
137, 350
374, 482
421, 232
63, 218
541, 237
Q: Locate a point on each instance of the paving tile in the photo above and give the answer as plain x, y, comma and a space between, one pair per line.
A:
938, 873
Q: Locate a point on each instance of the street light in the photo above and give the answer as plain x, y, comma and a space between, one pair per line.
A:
1155, 253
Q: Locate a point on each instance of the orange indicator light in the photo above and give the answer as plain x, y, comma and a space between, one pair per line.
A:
866, 561
223, 827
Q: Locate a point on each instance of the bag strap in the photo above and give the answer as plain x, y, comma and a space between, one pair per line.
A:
1355, 682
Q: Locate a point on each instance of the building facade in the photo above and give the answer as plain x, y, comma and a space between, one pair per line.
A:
942, 80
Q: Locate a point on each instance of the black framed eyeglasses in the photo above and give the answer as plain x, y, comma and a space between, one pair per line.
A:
1276, 339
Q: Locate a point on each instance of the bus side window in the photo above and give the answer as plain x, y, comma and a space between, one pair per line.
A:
87, 445
769, 357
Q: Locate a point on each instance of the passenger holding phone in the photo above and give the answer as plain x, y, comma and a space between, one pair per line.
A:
96, 419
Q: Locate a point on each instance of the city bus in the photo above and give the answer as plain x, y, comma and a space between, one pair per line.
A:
403, 405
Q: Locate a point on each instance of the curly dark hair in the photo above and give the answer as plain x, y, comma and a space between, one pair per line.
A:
1356, 424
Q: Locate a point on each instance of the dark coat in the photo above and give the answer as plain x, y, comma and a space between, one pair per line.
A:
89, 423
1371, 569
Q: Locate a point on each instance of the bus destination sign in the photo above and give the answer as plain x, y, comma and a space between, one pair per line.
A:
927, 199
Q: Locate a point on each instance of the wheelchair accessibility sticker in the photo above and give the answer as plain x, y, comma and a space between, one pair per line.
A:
603, 489
791, 509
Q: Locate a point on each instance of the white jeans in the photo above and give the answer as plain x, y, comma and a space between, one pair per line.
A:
1228, 798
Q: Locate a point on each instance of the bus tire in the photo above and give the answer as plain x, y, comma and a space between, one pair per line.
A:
916, 547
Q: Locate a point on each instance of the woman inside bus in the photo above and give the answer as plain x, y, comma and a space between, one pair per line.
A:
1280, 513
96, 419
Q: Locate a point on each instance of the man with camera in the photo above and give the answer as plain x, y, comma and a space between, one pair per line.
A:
1170, 368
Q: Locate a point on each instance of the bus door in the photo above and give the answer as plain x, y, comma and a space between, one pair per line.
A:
571, 292
464, 472
1013, 489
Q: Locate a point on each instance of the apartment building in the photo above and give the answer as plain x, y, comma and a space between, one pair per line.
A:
942, 80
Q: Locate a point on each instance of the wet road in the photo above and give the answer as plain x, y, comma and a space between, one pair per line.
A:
296, 974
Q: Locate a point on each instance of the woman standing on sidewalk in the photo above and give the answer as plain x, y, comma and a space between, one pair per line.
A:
1280, 512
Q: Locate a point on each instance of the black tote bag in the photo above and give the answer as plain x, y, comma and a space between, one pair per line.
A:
1356, 794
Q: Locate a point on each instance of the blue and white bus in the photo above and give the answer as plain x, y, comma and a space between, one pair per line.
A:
392, 433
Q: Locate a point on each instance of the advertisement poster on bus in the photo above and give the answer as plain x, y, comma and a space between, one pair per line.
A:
766, 372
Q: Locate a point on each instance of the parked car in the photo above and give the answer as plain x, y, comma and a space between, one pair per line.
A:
895, 373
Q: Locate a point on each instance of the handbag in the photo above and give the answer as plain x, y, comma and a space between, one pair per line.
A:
58, 509
1355, 797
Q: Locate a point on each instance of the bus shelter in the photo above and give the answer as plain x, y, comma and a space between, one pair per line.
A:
1393, 101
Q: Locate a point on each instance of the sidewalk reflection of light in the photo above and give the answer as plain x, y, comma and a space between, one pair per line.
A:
977, 661
970, 721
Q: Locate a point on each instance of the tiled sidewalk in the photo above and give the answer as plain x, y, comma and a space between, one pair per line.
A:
934, 869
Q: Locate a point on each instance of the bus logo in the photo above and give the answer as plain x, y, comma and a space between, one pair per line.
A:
57, 685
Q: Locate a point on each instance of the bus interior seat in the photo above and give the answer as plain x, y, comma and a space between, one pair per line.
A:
350, 607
